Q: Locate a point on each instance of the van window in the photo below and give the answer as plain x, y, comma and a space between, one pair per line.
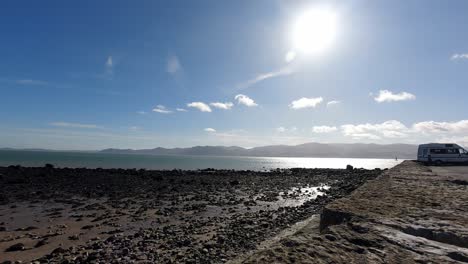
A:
452, 151
438, 151
424, 152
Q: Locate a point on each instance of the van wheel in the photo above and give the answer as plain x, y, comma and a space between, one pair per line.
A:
438, 162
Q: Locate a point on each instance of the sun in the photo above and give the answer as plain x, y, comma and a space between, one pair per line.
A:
314, 31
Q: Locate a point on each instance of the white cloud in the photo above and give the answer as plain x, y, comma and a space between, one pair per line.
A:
388, 129
200, 106
225, 106
425, 131
74, 125
210, 130
161, 109
431, 127
332, 103
245, 100
181, 110
324, 129
282, 129
31, 82
306, 103
141, 112
264, 76
109, 66
290, 56
462, 140
173, 65
134, 128
109, 62
361, 136
395, 134
459, 56
388, 96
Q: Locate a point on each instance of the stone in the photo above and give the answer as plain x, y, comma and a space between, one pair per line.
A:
58, 250
16, 247
41, 243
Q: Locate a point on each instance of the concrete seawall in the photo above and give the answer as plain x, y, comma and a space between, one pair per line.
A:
409, 214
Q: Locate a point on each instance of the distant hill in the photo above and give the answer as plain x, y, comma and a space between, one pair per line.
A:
358, 150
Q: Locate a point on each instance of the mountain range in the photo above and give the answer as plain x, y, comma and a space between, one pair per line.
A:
335, 150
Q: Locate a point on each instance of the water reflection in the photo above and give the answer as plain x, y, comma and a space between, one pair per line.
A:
297, 196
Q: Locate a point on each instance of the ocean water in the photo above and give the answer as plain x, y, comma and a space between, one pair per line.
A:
104, 160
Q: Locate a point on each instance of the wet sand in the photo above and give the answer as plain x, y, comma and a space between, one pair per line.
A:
142, 216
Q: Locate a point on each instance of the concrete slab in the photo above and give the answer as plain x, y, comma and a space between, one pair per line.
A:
460, 172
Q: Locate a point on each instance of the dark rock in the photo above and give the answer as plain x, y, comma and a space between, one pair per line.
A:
29, 228
41, 243
74, 237
458, 256
58, 250
234, 183
16, 247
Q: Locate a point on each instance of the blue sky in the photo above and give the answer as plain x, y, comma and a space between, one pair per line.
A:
98, 74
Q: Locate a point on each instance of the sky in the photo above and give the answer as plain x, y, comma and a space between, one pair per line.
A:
89, 75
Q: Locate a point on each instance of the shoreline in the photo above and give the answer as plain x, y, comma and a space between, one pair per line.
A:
409, 214
128, 215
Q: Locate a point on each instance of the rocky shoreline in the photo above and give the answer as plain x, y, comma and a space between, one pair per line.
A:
63, 215
409, 214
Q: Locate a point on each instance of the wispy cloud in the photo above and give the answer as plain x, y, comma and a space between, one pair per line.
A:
282, 129
161, 109
225, 106
141, 112
173, 64
109, 64
264, 76
108, 69
31, 82
459, 56
324, 129
245, 100
306, 103
210, 130
200, 106
181, 110
388, 96
75, 125
332, 103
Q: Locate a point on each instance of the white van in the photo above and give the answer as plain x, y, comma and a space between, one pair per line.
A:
439, 153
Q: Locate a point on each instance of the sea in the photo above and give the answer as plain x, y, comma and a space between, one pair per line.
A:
129, 161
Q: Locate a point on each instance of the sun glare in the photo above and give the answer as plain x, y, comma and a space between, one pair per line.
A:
314, 31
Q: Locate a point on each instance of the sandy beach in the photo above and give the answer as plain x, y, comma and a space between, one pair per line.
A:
141, 216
